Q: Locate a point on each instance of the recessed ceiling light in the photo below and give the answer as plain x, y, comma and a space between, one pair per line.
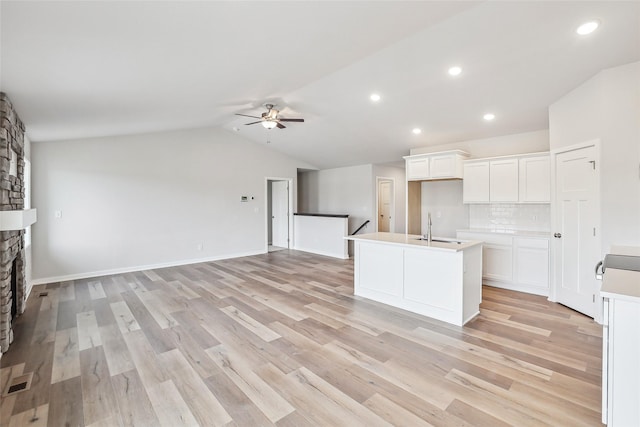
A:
489, 116
587, 28
416, 131
455, 71
374, 97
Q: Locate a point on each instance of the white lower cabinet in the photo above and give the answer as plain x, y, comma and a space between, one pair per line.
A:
532, 262
513, 262
497, 262
621, 367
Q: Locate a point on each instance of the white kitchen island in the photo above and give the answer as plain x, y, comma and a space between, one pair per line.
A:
442, 280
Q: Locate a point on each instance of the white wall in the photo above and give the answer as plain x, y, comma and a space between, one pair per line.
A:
607, 107
399, 191
345, 190
444, 200
145, 200
521, 143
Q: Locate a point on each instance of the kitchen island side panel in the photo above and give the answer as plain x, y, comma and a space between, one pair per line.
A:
472, 283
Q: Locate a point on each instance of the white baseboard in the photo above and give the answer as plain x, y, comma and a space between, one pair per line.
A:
535, 290
323, 253
90, 274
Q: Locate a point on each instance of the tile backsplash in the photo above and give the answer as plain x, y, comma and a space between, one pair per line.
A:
507, 216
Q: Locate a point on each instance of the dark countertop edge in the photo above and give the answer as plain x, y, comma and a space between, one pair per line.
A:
323, 215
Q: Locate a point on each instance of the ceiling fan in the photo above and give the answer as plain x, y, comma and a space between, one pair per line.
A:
270, 119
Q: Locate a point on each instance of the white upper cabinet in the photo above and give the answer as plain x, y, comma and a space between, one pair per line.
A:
512, 179
418, 169
475, 185
441, 165
503, 180
446, 166
535, 183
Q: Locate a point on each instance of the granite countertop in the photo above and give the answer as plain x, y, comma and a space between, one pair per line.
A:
412, 240
515, 233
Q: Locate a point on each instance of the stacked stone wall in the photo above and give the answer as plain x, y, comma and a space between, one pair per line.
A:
11, 198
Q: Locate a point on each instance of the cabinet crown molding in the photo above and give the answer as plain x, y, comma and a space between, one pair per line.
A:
437, 153
510, 156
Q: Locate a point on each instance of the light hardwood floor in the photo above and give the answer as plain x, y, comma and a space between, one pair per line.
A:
279, 339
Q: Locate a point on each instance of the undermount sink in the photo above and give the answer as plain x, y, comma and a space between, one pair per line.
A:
457, 242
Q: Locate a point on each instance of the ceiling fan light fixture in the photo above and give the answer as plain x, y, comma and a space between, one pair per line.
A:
269, 124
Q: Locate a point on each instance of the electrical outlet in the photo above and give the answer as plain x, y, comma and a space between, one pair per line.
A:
57, 214
200, 246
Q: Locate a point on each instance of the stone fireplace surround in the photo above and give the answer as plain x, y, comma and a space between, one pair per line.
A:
12, 197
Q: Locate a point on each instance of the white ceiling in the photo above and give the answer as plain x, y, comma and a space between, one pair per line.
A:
84, 69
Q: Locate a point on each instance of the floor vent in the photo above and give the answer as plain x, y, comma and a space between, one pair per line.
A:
19, 383
43, 294
17, 387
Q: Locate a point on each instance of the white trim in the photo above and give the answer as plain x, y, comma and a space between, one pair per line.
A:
90, 274
579, 146
392, 223
553, 286
528, 289
266, 211
18, 219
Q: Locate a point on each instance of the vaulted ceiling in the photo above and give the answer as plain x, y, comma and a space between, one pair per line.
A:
85, 69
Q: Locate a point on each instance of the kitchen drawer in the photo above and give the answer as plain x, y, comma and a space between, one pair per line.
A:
532, 243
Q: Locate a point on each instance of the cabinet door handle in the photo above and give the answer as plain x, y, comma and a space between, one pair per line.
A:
557, 235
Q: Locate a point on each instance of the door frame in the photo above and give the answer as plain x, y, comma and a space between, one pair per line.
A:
392, 223
553, 289
266, 211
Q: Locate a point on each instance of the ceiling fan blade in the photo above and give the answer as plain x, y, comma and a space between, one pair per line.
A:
245, 115
252, 123
290, 120
281, 126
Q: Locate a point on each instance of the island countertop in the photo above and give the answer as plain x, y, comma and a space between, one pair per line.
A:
413, 240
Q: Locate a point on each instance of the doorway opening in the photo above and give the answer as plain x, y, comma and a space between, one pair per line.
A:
385, 204
279, 213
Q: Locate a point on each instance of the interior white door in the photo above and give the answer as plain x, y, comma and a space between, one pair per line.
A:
577, 241
385, 199
280, 213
